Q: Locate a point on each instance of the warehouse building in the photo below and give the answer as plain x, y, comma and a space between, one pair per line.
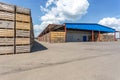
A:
76, 32
16, 29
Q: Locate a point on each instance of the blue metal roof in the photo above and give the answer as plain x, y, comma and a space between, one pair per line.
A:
89, 26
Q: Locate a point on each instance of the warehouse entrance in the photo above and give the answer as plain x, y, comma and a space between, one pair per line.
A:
84, 38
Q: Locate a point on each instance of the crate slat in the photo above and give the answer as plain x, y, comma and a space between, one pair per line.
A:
20, 49
6, 33
22, 10
6, 7
6, 24
6, 41
6, 15
22, 17
6, 49
23, 26
22, 41
22, 33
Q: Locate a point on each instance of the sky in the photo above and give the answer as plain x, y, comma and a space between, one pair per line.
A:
44, 12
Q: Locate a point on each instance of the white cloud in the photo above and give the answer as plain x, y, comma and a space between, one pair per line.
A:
112, 22
50, 2
59, 11
37, 29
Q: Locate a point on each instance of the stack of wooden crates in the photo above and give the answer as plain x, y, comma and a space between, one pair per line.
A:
53, 37
16, 30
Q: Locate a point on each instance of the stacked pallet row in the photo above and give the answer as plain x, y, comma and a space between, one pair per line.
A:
23, 28
16, 29
106, 38
7, 28
53, 37
45, 38
57, 37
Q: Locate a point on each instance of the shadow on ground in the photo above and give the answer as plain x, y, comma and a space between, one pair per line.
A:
38, 47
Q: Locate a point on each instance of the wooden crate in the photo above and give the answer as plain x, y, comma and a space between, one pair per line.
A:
6, 49
22, 41
6, 41
6, 7
22, 10
23, 26
22, 17
57, 37
106, 37
6, 16
16, 29
6, 33
23, 49
22, 33
6, 24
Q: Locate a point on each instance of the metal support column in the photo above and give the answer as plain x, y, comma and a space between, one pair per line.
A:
92, 36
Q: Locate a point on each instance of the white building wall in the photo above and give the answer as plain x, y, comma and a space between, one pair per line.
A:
77, 36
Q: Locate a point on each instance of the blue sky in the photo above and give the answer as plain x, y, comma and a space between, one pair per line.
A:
97, 11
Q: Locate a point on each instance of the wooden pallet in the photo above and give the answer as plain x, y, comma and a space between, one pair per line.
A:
23, 49
22, 41
22, 17
22, 10
6, 49
23, 26
6, 7
6, 24
22, 33
6, 16
6, 33
6, 41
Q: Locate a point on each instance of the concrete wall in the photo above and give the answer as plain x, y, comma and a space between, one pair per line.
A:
77, 36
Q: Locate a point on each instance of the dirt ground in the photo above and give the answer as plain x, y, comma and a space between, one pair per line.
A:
64, 61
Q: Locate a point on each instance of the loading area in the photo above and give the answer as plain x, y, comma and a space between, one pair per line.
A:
77, 32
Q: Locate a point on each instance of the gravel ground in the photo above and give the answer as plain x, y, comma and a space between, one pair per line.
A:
64, 61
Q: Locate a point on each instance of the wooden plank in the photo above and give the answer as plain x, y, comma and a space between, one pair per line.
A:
22, 17
6, 24
6, 15
6, 41
22, 10
21, 49
21, 25
22, 41
6, 33
22, 33
6, 49
6, 7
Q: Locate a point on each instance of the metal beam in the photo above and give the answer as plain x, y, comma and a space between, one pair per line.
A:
92, 36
